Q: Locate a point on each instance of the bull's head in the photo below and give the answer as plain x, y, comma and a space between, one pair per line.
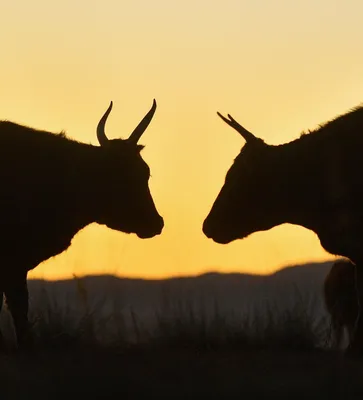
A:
125, 200
249, 199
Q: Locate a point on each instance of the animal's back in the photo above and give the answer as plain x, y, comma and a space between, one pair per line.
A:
37, 192
20, 140
31, 163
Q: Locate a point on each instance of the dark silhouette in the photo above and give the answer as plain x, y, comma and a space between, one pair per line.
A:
53, 186
314, 181
343, 299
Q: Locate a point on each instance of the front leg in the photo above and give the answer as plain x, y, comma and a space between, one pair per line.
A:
355, 347
17, 297
2, 344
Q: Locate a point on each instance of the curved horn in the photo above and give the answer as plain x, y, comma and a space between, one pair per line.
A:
140, 129
239, 128
101, 135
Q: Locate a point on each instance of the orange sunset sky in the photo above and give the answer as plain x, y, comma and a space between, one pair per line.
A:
279, 67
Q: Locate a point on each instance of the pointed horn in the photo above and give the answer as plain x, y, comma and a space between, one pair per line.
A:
140, 129
239, 128
101, 135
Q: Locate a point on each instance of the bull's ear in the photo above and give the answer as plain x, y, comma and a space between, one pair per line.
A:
140, 147
101, 135
248, 136
144, 123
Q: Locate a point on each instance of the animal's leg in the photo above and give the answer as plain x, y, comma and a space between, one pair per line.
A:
355, 347
350, 350
1, 306
16, 295
337, 332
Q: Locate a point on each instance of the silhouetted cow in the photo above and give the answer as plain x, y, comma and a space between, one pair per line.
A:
343, 295
315, 181
52, 186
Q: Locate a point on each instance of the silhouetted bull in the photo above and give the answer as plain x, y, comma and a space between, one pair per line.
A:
315, 181
343, 295
52, 186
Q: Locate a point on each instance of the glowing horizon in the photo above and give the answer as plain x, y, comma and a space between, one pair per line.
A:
279, 68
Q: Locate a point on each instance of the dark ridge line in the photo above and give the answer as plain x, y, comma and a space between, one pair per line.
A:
187, 277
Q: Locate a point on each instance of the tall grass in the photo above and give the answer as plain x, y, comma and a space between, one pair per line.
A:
265, 327
177, 324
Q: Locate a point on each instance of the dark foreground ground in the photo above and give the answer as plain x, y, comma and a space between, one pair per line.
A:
180, 374
266, 353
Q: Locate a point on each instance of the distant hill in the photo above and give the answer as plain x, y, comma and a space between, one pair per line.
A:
231, 292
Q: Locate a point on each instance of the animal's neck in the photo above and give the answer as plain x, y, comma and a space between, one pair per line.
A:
83, 176
302, 204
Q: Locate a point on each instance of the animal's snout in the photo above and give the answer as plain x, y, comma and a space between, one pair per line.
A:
154, 229
159, 225
206, 228
218, 230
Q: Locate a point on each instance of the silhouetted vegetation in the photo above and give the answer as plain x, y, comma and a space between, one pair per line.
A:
178, 324
187, 354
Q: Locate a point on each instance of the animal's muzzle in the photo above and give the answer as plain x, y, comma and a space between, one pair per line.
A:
212, 231
206, 229
155, 229
209, 230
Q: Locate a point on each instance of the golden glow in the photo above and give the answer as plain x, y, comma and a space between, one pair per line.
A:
278, 67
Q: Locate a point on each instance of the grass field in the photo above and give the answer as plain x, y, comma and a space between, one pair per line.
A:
282, 353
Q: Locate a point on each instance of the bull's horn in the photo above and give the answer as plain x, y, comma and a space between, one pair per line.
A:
101, 135
248, 136
140, 129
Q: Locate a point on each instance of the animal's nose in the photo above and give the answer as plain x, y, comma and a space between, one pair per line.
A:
206, 228
155, 228
160, 224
